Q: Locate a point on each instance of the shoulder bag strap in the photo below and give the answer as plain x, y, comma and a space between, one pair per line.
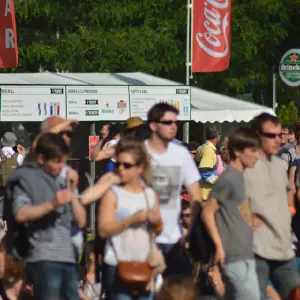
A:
113, 248
147, 223
2, 156
15, 155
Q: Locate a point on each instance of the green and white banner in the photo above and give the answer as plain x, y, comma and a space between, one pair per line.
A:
34, 103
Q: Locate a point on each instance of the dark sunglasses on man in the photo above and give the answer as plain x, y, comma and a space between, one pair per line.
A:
271, 135
168, 122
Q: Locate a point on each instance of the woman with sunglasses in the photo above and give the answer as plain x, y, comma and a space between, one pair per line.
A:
125, 213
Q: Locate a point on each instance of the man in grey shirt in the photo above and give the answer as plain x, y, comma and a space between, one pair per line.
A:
269, 195
228, 219
46, 206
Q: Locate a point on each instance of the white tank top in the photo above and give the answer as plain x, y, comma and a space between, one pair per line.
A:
132, 244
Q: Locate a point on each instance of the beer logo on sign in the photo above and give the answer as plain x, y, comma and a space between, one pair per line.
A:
289, 67
121, 106
107, 109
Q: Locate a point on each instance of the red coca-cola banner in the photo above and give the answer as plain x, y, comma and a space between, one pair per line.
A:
8, 35
211, 35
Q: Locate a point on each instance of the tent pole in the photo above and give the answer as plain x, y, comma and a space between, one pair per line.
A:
188, 64
188, 33
93, 175
274, 91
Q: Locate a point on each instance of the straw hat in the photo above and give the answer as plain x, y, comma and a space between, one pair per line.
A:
134, 122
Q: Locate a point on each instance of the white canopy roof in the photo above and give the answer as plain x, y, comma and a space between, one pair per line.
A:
212, 107
206, 106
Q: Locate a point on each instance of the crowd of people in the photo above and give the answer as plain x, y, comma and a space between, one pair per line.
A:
239, 195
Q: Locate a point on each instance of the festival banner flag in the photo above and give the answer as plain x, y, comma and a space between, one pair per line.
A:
211, 35
8, 35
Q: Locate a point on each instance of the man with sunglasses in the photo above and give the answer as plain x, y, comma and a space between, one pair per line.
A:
268, 191
173, 167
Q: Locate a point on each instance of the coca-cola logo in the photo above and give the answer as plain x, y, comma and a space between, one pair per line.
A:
214, 39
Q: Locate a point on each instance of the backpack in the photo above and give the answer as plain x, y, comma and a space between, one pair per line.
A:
201, 246
198, 154
7, 167
15, 240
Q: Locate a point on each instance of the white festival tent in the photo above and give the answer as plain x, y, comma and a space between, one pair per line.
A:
206, 106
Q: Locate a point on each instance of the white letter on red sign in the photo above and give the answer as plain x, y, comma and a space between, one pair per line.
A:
7, 8
9, 38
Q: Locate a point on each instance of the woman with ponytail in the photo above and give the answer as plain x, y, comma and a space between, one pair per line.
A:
128, 217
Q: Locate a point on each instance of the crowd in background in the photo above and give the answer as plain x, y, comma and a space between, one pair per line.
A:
174, 220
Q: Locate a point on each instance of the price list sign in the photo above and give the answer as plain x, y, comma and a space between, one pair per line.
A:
142, 98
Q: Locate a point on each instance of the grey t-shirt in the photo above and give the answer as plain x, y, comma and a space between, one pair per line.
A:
293, 155
234, 216
267, 189
49, 240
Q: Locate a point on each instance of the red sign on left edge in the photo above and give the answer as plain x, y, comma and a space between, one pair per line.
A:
8, 35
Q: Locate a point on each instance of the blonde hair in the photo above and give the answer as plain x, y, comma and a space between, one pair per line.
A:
132, 145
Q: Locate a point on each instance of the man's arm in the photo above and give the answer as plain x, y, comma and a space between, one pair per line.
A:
25, 212
103, 154
31, 213
194, 192
191, 178
208, 217
78, 210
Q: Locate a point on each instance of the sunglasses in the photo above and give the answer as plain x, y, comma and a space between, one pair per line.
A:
125, 165
169, 122
67, 133
271, 135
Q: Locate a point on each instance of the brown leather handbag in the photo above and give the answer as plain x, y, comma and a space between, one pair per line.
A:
135, 273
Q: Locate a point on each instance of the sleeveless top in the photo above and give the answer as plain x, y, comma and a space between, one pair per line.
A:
132, 244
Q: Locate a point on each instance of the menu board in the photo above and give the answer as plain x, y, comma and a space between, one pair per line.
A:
31, 103
142, 98
95, 103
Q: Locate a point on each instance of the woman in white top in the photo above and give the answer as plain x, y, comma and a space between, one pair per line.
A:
123, 215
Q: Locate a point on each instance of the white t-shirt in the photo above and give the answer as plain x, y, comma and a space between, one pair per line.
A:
171, 170
9, 152
112, 143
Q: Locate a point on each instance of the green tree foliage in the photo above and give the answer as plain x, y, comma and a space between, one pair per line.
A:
261, 32
100, 35
288, 114
150, 36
